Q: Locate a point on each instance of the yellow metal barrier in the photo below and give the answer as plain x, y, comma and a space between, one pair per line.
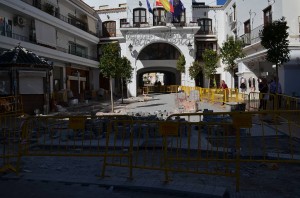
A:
196, 143
11, 105
11, 126
234, 138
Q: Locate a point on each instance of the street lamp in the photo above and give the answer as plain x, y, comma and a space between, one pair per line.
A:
189, 45
130, 47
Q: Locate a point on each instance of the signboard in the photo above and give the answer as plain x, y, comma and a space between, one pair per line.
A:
242, 120
77, 123
168, 128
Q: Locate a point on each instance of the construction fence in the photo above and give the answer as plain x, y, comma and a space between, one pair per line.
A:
195, 143
253, 100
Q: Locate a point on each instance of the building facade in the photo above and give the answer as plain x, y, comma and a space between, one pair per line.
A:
63, 32
153, 40
68, 34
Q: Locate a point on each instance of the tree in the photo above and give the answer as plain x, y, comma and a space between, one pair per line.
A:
232, 49
111, 65
274, 37
195, 69
125, 72
210, 66
180, 64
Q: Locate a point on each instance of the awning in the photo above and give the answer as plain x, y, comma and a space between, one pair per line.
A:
45, 34
91, 24
255, 57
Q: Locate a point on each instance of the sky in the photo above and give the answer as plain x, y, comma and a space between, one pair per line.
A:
221, 2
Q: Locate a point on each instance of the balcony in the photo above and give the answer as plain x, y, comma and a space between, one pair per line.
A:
246, 39
160, 22
54, 11
32, 40
253, 36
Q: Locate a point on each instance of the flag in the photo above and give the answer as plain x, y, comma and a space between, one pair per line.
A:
178, 8
167, 5
158, 3
149, 7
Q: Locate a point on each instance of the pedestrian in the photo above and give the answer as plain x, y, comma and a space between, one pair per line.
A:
225, 91
264, 95
276, 92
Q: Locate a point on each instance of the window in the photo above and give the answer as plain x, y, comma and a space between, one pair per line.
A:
205, 26
123, 22
159, 17
139, 16
201, 46
234, 12
159, 51
180, 19
109, 29
268, 15
247, 31
77, 50
247, 27
5, 27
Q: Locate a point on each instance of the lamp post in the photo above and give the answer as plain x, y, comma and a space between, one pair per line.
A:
190, 47
130, 47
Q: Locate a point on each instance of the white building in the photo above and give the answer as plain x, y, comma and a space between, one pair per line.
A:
153, 42
63, 32
66, 32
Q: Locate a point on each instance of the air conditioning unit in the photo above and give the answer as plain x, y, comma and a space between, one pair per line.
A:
20, 21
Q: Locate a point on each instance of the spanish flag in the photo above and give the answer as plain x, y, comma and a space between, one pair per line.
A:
157, 3
168, 5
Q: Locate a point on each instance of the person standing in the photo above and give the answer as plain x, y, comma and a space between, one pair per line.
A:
264, 96
274, 90
225, 91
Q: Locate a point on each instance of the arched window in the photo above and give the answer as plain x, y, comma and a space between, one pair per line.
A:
159, 16
159, 51
205, 26
139, 17
109, 29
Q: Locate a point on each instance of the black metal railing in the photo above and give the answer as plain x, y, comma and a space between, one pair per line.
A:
54, 11
33, 41
161, 21
253, 36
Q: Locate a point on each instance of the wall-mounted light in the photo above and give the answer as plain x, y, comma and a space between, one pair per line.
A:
190, 47
108, 16
130, 47
140, 3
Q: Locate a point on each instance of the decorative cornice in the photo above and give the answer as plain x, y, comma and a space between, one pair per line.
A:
110, 10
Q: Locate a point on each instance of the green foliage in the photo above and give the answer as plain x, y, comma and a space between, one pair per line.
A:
125, 70
274, 37
232, 49
180, 65
195, 69
109, 60
211, 59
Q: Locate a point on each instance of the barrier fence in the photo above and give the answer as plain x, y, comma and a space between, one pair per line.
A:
268, 101
195, 143
253, 100
11, 105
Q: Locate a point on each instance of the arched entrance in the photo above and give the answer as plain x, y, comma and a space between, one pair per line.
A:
158, 65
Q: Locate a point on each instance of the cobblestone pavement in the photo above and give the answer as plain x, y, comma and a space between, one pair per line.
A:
79, 176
